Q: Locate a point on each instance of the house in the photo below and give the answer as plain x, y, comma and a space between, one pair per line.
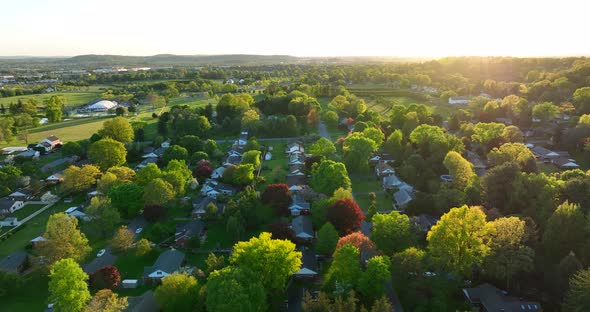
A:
294, 148
56, 177
16, 262
233, 159
165, 144
486, 297
200, 206
150, 155
241, 141
423, 222
402, 198
29, 154
144, 303
459, 100
382, 170
145, 162
80, 215
185, 231
391, 181
218, 173
10, 221
21, 195
296, 177
167, 263
295, 188
50, 143
309, 266
299, 206
8, 206
542, 153
303, 229
38, 239
565, 163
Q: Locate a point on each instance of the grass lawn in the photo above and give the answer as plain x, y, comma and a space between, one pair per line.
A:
33, 228
72, 98
71, 130
26, 211
32, 298
383, 202
197, 260
217, 236
365, 183
131, 266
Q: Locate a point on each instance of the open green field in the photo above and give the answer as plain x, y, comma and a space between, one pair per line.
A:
72, 98
32, 298
26, 211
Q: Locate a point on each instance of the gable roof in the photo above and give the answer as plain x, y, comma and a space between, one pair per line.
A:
188, 229
6, 203
52, 138
14, 261
168, 261
493, 299
302, 227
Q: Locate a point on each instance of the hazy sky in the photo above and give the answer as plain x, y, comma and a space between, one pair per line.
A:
301, 27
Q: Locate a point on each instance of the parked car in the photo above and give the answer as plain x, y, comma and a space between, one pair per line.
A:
138, 230
101, 252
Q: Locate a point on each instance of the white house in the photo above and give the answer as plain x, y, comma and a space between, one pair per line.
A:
50, 143
167, 263
8, 206
459, 100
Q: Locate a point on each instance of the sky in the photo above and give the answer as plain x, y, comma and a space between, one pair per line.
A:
419, 28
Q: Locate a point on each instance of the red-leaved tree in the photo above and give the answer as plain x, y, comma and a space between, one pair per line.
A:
203, 171
281, 230
358, 240
105, 277
277, 195
345, 215
153, 213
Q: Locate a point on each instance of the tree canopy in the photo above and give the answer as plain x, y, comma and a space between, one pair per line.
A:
107, 153
328, 176
235, 289
67, 286
118, 129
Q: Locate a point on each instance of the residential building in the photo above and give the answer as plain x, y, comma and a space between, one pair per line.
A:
10, 221
50, 143
8, 206
200, 206
402, 198
21, 195
309, 266
303, 229
185, 231
382, 170
488, 298
16, 262
56, 177
459, 100
167, 263
296, 177
424, 222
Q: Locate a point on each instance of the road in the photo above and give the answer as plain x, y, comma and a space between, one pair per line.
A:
260, 140
323, 129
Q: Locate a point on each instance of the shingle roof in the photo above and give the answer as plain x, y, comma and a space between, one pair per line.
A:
13, 262
169, 262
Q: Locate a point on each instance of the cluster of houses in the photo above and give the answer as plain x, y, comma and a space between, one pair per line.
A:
561, 159
403, 193
151, 155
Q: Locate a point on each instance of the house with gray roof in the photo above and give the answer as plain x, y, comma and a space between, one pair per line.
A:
167, 263
16, 262
487, 297
186, 231
303, 229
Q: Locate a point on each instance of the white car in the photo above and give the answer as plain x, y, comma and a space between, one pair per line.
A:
138, 230
101, 252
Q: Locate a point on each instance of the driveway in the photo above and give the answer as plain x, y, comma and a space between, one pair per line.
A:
107, 259
323, 129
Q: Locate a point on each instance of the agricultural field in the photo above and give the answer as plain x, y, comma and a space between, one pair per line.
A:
72, 98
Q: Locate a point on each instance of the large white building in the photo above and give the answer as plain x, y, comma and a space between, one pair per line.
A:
101, 106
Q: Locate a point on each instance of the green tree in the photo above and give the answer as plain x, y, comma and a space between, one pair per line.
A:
357, 150
244, 174
158, 192
485, 133
382, 305
512, 152
508, 254
458, 240
373, 279
105, 300
146, 174
327, 239
252, 145
582, 100
330, 118
127, 198
192, 143
106, 182
409, 262
512, 134
78, 179
577, 298
322, 147
53, 108
394, 144
251, 157
545, 111
105, 216
123, 239
107, 153
250, 119
374, 134
6, 129
214, 262
63, 240
178, 292
392, 232
235, 289
272, 260
345, 271
67, 286
118, 129
460, 169
565, 231
175, 152
328, 176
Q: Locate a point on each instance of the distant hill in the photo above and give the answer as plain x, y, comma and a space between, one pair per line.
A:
97, 61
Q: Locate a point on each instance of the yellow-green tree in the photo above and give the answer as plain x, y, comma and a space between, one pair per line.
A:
105, 300
78, 179
459, 168
107, 153
235, 289
178, 292
458, 240
67, 286
118, 129
123, 239
272, 260
63, 240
